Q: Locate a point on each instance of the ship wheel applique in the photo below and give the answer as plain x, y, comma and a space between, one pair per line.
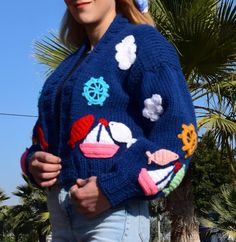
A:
189, 139
96, 91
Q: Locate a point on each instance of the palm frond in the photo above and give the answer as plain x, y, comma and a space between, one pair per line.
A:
3, 196
215, 122
226, 87
202, 31
223, 219
51, 52
223, 129
31, 215
44, 216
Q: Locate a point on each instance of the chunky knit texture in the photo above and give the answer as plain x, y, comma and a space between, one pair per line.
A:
125, 115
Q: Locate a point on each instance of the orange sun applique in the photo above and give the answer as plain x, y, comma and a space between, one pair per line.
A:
189, 139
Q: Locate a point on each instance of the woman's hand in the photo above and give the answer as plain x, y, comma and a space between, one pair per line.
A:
88, 198
44, 168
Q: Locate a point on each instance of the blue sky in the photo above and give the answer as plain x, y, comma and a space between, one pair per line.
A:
21, 78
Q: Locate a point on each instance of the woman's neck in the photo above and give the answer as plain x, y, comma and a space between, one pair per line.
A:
96, 30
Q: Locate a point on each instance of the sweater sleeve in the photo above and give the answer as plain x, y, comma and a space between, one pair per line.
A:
156, 164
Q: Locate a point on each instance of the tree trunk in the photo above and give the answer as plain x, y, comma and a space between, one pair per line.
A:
184, 223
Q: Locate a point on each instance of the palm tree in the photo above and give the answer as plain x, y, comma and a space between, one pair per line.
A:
3, 196
204, 34
3, 211
29, 219
223, 219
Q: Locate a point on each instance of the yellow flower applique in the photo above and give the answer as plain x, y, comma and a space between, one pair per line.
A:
189, 139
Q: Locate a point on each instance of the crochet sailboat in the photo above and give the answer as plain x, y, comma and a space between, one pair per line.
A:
98, 143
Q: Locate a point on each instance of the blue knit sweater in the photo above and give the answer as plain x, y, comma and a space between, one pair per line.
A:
124, 115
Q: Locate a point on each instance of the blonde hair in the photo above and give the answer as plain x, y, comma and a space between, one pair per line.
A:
72, 33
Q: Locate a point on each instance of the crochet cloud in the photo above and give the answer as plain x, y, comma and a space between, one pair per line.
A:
153, 107
126, 52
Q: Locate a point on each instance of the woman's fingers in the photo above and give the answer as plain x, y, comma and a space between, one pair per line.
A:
81, 182
88, 199
45, 162
46, 157
45, 168
45, 179
40, 167
47, 175
48, 183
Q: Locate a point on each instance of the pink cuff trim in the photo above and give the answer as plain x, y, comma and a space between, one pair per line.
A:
146, 182
23, 160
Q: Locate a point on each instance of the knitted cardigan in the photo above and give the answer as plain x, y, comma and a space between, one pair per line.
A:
124, 115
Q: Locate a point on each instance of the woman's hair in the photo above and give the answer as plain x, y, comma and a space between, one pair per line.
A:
73, 34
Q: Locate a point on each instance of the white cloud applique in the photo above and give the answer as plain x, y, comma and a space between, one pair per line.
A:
153, 107
126, 52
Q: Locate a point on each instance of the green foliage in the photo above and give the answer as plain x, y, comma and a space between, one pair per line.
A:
3, 196
210, 169
203, 32
223, 219
3, 212
29, 220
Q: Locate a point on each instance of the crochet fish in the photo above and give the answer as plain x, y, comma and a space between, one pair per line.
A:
121, 133
161, 157
80, 129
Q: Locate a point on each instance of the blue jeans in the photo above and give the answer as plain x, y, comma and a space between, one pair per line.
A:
126, 223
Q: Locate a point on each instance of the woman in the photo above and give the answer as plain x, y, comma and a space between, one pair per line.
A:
116, 124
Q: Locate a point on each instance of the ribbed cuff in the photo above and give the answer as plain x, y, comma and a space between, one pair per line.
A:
23, 160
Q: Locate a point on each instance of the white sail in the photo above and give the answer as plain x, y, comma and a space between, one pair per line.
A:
163, 184
105, 137
160, 174
92, 136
